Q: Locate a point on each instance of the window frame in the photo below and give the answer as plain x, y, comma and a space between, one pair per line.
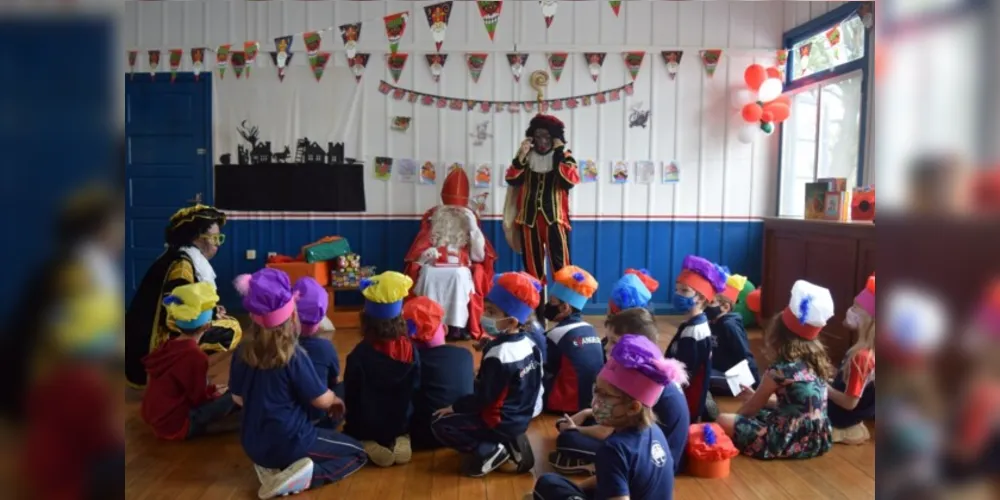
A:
863, 64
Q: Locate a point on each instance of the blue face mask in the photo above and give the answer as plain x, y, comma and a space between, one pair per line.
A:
684, 304
490, 326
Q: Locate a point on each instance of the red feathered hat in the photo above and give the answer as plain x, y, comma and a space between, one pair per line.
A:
456, 188
651, 284
554, 125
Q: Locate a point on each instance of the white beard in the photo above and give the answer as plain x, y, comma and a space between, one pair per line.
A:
540, 163
450, 227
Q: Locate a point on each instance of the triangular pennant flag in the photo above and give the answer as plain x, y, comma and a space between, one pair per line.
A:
358, 63
251, 49
222, 59
395, 26
710, 58
804, 52
175, 62
351, 34
313, 40
154, 62
318, 64
548, 10
436, 64
517, 62
557, 61
633, 62
476, 62
281, 61
782, 62
616, 6
673, 60
197, 61
396, 62
490, 12
133, 55
437, 18
238, 58
595, 60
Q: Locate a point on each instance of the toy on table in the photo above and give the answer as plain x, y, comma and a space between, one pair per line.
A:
347, 271
709, 451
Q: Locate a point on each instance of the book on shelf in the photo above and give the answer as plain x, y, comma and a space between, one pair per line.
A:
815, 200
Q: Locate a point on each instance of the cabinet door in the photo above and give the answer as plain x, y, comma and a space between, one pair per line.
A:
832, 264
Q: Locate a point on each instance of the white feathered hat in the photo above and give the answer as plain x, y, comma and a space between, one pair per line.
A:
810, 307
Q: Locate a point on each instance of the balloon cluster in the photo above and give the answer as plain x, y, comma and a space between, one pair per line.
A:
761, 104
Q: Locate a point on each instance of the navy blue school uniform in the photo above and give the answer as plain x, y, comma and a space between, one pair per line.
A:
575, 357
730, 345
536, 331
446, 374
631, 463
503, 400
378, 392
693, 346
276, 430
327, 364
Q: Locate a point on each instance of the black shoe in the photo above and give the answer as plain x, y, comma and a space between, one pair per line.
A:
477, 467
568, 465
522, 454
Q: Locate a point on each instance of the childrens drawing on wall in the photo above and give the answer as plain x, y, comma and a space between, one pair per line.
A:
481, 134
406, 171
428, 173
619, 172
645, 172
588, 171
484, 174
671, 173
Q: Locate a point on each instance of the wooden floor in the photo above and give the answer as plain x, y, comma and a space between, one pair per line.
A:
216, 468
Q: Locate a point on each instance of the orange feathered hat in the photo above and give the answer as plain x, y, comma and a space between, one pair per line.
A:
455, 191
645, 278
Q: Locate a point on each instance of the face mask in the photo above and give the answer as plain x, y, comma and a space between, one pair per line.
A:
490, 326
552, 312
713, 312
603, 411
684, 304
851, 319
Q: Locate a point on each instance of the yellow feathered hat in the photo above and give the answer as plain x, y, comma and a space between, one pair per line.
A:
191, 306
384, 294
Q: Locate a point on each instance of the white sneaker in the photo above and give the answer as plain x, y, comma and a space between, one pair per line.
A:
264, 474
296, 478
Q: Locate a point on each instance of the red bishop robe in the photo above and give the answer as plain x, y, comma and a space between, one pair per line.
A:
482, 272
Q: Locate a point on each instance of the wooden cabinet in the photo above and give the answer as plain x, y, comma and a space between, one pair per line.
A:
835, 255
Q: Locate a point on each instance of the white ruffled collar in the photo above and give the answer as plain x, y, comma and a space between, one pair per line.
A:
202, 268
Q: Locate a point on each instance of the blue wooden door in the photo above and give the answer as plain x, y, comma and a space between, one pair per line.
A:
168, 161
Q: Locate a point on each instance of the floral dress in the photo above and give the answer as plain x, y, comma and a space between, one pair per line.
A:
798, 427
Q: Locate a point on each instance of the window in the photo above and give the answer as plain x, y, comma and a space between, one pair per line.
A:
823, 137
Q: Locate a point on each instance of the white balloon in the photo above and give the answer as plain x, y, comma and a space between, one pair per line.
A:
741, 98
747, 134
770, 90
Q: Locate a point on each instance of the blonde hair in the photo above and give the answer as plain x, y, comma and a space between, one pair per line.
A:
783, 344
267, 348
642, 420
635, 320
866, 341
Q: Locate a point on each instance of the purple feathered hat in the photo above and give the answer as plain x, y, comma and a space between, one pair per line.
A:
312, 304
267, 296
702, 276
637, 367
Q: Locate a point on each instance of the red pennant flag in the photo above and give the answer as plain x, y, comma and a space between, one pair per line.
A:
358, 63
517, 62
318, 64
395, 26
710, 58
384, 88
437, 18
616, 6
222, 59
490, 12
557, 61
427, 100
238, 59
313, 41
476, 62
441, 103
629, 89
398, 94
673, 60
435, 62
251, 49
549, 11
133, 55
633, 62
351, 34
198, 61
485, 107
396, 63
595, 60
154, 62
175, 62
456, 104
782, 62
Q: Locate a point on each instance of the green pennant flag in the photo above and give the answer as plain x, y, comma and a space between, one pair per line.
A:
395, 26
633, 61
396, 62
616, 6
557, 62
490, 12
222, 59
318, 64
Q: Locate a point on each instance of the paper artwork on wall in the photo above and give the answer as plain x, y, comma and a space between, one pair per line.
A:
672, 58
476, 62
313, 40
619, 172
490, 12
282, 56
437, 18
633, 62
318, 64
638, 117
588, 171
671, 172
351, 34
557, 62
435, 62
428, 173
481, 134
406, 170
710, 58
484, 175
383, 168
645, 172
396, 63
401, 123
595, 60
395, 26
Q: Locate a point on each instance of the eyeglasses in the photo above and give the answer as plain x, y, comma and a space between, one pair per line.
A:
215, 239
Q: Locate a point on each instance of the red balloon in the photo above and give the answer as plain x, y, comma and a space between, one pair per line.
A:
783, 99
767, 116
751, 112
779, 112
773, 72
754, 76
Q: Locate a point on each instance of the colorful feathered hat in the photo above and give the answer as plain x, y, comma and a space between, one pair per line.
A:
384, 294
808, 311
651, 284
628, 292
916, 325
455, 191
573, 286
637, 367
191, 306
866, 299
516, 294
313, 303
702, 276
709, 451
267, 296
734, 284
424, 319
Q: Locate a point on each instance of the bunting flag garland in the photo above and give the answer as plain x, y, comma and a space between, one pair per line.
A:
154, 62
673, 60
476, 62
283, 56
557, 61
633, 62
222, 59
595, 60
313, 40
459, 104
238, 58
251, 49
351, 34
490, 12
616, 6
175, 62
437, 18
133, 55
804, 52
318, 64
358, 63
548, 10
396, 63
395, 26
710, 58
436, 64
833, 36
517, 62
197, 61
782, 62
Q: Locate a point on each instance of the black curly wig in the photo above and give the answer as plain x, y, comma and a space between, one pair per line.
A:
555, 126
188, 224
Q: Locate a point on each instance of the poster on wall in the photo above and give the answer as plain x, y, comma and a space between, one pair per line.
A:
484, 175
671, 172
406, 171
619, 172
645, 172
588, 171
428, 173
383, 168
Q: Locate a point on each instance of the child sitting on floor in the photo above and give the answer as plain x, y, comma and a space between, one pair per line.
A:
312, 304
786, 417
696, 287
579, 436
178, 403
575, 356
634, 462
632, 291
730, 344
852, 393
275, 382
446, 371
490, 423
383, 373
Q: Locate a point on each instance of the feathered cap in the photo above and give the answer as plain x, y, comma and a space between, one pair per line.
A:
188, 223
809, 309
516, 294
637, 367
455, 191
573, 286
702, 276
554, 125
734, 284
628, 292
709, 451
384, 294
916, 324
267, 296
313, 303
191, 306
424, 319
651, 284
866, 299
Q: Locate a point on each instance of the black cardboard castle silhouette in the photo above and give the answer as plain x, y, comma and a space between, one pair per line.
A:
259, 152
